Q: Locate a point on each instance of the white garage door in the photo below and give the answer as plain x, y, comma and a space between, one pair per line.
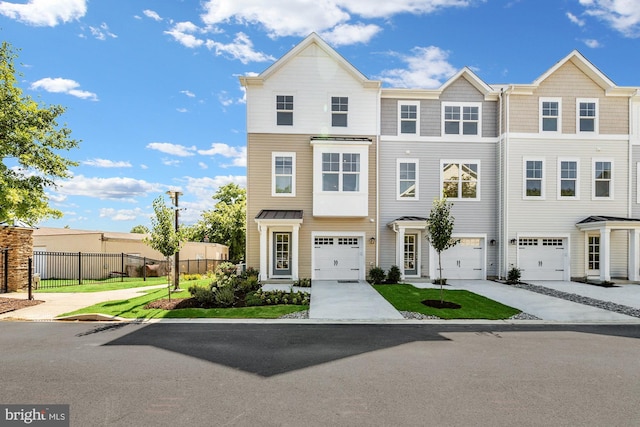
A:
541, 258
463, 261
336, 258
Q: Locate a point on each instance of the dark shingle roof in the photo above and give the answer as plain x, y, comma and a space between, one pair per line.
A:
279, 214
601, 218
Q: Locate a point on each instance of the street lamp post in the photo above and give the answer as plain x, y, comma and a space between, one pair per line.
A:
175, 195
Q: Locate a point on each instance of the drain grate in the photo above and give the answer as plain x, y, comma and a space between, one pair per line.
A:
347, 281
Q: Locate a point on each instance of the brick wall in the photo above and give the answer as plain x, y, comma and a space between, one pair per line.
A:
20, 244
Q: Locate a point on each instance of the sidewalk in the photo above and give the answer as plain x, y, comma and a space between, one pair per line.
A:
56, 304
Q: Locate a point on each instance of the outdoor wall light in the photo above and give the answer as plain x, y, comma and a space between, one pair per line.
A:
492, 242
372, 241
513, 241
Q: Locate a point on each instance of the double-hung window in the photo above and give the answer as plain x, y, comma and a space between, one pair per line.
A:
340, 172
407, 188
460, 179
284, 110
339, 110
550, 115
533, 178
461, 119
284, 170
568, 175
587, 115
602, 179
409, 117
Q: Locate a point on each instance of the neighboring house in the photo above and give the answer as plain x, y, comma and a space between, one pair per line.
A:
342, 174
69, 240
311, 166
565, 179
432, 143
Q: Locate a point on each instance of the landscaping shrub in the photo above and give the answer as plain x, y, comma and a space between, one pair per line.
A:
394, 275
249, 284
204, 296
189, 277
376, 276
283, 297
224, 297
303, 283
513, 276
250, 272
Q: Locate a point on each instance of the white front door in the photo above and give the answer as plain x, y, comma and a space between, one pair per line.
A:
337, 258
541, 258
463, 261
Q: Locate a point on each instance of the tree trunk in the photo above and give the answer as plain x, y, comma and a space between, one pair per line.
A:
440, 273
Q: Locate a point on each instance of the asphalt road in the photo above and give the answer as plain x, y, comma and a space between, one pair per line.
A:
212, 374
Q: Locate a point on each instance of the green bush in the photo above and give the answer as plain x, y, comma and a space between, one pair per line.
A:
513, 276
224, 297
282, 297
394, 275
202, 295
249, 284
303, 283
376, 276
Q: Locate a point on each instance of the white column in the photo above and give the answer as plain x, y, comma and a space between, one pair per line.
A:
634, 254
400, 250
294, 251
605, 254
264, 252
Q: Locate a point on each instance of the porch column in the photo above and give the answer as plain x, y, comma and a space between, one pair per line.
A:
400, 250
634, 253
294, 251
264, 252
605, 254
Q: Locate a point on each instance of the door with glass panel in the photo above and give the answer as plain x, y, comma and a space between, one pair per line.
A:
410, 254
281, 254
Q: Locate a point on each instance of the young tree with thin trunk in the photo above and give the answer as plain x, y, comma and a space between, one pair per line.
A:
439, 232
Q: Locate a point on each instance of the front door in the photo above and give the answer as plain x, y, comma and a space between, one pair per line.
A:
593, 262
410, 255
281, 254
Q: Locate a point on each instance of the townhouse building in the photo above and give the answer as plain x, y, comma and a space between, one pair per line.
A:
342, 173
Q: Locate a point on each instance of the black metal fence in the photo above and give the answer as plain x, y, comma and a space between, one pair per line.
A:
4, 270
57, 269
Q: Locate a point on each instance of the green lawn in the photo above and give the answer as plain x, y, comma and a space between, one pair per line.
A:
409, 298
105, 286
134, 308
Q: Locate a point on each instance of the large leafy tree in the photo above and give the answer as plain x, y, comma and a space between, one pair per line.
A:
140, 229
30, 141
440, 231
226, 222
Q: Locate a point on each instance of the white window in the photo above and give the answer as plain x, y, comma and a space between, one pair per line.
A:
284, 110
339, 111
341, 172
550, 115
602, 179
568, 179
460, 179
533, 178
408, 117
587, 115
461, 118
283, 181
407, 187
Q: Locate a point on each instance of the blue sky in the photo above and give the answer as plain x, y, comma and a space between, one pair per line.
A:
151, 86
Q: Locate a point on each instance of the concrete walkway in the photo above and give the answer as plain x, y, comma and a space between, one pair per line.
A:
543, 306
331, 300
56, 304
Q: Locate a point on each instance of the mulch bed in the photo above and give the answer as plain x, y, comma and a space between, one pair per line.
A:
11, 304
175, 303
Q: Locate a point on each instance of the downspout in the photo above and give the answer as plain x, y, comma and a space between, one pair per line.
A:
505, 190
500, 196
630, 154
379, 131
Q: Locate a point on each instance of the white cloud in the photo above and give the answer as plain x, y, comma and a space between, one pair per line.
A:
104, 163
182, 110
106, 188
345, 34
386, 8
427, 67
573, 18
173, 149
203, 165
123, 214
182, 32
60, 85
622, 15
237, 154
188, 93
241, 49
45, 13
592, 43
102, 32
171, 162
152, 14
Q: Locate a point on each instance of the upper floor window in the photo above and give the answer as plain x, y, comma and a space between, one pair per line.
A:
550, 119
339, 110
409, 117
461, 118
340, 172
587, 117
407, 188
284, 170
602, 179
534, 178
460, 180
284, 110
568, 184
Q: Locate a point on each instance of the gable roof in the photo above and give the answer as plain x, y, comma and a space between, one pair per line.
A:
474, 80
311, 40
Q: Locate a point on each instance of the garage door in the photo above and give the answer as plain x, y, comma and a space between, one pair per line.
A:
464, 261
336, 258
541, 258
